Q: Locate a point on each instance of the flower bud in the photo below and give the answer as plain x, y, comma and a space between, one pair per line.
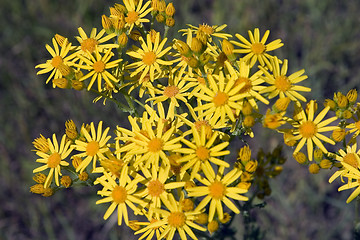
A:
77, 85
347, 114
123, 40
251, 166
37, 188
202, 218
48, 192
249, 121
187, 205
76, 161
135, 35
196, 45
60, 39
227, 47
331, 103
300, 157
341, 100
318, 154
338, 134
41, 144
213, 226
70, 129
287, 139
170, 10
244, 185
182, 48
192, 62
247, 108
162, 6
282, 104
170, 22
106, 23
226, 218
314, 168
133, 224
39, 178
325, 163
160, 18
84, 176
352, 96
66, 181
245, 154
61, 82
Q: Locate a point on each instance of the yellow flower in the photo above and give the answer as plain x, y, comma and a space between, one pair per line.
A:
207, 31
121, 195
354, 128
97, 66
150, 56
54, 159
149, 232
177, 89
93, 147
135, 14
350, 157
283, 85
59, 58
353, 182
256, 49
202, 152
218, 191
89, 44
149, 145
176, 219
156, 188
221, 97
252, 86
309, 130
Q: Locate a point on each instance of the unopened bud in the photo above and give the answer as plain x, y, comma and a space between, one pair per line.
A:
66, 181
352, 96
61, 82
314, 168
300, 157
170, 10
227, 47
325, 163
338, 134
123, 40
196, 45
282, 104
213, 226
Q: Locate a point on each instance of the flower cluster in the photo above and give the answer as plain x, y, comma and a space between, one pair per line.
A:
187, 101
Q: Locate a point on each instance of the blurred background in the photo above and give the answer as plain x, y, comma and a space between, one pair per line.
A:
320, 36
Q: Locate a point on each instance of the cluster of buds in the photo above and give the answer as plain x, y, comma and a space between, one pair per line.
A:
163, 13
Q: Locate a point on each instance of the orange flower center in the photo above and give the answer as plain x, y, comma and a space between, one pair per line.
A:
308, 129
89, 45
155, 188
56, 61
217, 190
132, 17
220, 99
258, 48
247, 87
92, 148
282, 83
149, 58
119, 194
176, 219
351, 159
201, 80
99, 66
155, 145
171, 91
206, 29
202, 153
54, 160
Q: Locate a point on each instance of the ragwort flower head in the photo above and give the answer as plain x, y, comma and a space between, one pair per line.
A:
54, 159
135, 13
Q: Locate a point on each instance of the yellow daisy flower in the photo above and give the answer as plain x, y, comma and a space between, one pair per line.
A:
121, 195
59, 57
256, 49
89, 44
136, 13
177, 89
208, 31
156, 188
97, 66
353, 182
149, 145
148, 232
150, 56
202, 152
94, 146
252, 86
176, 219
221, 97
283, 85
217, 190
350, 157
309, 130
54, 159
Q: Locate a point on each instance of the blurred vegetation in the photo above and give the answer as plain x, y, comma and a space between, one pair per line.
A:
320, 36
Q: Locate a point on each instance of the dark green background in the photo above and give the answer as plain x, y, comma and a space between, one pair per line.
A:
320, 36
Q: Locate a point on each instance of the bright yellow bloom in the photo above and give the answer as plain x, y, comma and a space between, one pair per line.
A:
176, 219
148, 145
54, 159
135, 14
98, 66
156, 188
252, 86
283, 85
309, 130
94, 146
59, 58
177, 89
147, 231
89, 44
222, 99
350, 157
218, 191
256, 49
208, 31
150, 57
353, 182
202, 152
121, 195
